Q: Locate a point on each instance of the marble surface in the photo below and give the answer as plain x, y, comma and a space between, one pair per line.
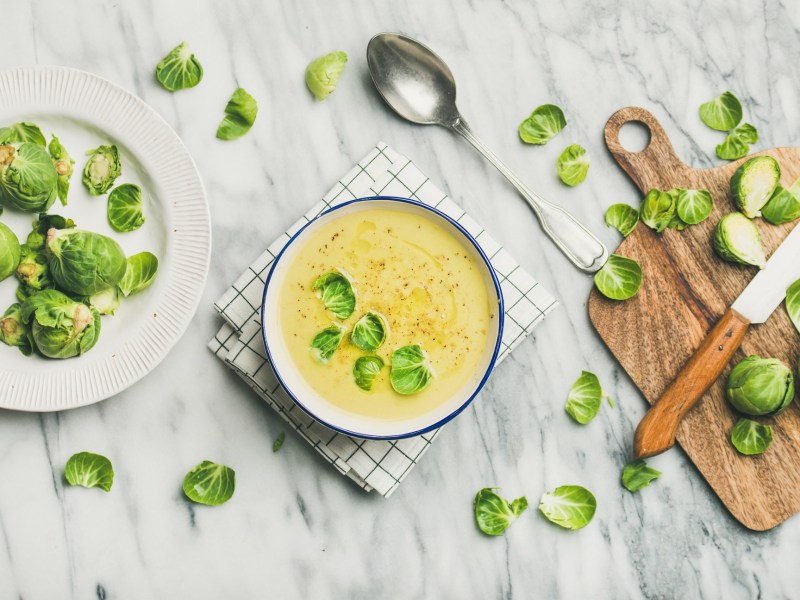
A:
295, 528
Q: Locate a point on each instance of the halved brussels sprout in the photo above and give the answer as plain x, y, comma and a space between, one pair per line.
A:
125, 207
793, 304
64, 167
760, 386
658, 209
140, 272
322, 73
14, 331
102, 169
753, 183
19, 133
9, 251
180, 69
84, 262
28, 178
33, 271
60, 326
782, 207
736, 239
106, 301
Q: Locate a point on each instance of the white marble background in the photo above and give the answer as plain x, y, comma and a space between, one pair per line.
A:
295, 528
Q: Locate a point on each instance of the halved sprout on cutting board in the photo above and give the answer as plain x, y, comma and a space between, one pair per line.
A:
753, 183
736, 239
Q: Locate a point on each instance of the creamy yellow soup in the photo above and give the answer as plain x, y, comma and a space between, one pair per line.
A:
416, 274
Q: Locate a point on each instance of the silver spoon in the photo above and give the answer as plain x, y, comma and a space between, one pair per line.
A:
419, 87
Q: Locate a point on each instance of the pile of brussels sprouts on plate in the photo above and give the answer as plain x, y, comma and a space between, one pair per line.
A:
68, 277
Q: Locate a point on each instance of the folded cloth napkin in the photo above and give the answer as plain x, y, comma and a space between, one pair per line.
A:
373, 464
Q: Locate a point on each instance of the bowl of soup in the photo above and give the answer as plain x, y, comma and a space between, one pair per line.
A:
382, 318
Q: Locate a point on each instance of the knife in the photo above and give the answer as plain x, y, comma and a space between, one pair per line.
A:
656, 432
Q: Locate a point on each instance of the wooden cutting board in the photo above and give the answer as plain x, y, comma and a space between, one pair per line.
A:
686, 289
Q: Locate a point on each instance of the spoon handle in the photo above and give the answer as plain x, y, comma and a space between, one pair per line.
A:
580, 246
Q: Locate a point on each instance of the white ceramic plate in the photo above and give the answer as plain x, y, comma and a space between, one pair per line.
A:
84, 111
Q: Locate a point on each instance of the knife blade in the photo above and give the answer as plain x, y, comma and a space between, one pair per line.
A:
656, 432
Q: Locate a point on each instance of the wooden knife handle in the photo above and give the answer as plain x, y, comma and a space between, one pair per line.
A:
656, 433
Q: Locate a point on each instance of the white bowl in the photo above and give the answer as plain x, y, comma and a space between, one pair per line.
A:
312, 401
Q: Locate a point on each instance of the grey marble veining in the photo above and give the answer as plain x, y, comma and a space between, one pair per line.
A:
295, 528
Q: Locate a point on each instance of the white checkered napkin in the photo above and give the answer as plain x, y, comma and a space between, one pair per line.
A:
379, 465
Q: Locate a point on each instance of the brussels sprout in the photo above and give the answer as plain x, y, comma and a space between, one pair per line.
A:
782, 207
326, 342
658, 209
637, 475
278, 443
369, 332
737, 144
64, 168
102, 169
336, 293
140, 272
569, 506
723, 113
573, 164
750, 437
83, 262
106, 301
753, 183
9, 252
543, 124
736, 239
365, 370
60, 326
19, 133
322, 73
620, 278
694, 206
180, 69
89, 470
793, 303
494, 514
28, 178
38, 236
411, 370
33, 271
210, 483
125, 207
14, 331
760, 386
240, 114
623, 218
585, 397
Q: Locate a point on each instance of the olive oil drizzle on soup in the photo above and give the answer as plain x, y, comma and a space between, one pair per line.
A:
416, 274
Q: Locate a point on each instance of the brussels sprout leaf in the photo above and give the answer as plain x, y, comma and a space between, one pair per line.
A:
365, 370
210, 483
569, 506
658, 209
694, 206
751, 437
783, 206
89, 470
723, 113
573, 164
326, 342
620, 278
279, 441
637, 475
22, 132
64, 168
240, 114
544, 123
793, 304
125, 207
140, 272
494, 513
411, 371
369, 332
623, 218
336, 293
180, 69
585, 396
737, 144
322, 73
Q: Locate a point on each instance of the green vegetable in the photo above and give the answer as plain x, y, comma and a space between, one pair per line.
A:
544, 123
89, 470
28, 178
750, 437
140, 272
569, 506
125, 208
60, 326
637, 475
83, 262
105, 302
658, 209
494, 514
737, 144
782, 207
240, 114
585, 397
623, 218
723, 113
760, 386
620, 278
369, 332
411, 371
753, 183
573, 164
102, 169
19, 133
736, 239
210, 483
326, 342
33, 271
793, 304
180, 69
694, 206
322, 74
279, 442
64, 168
38, 235
365, 370
9, 252
336, 293
14, 332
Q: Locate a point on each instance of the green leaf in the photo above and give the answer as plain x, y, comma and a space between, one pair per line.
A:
753, 184
494, 514
793, 304
279, 441
585, 395
411, 371
240, 114
365, 370
620, 278
125, 208
22, 132
210, 483
64, 167
569, 506
623, 218
637, 475
322, 73
101, 169
180, 69
694, 206
750, 437
658, 209
737, 144
723, 113
544, 123
782, 207
369, 332
573, 164
336, 293
140, 272
89, 470
326, 342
